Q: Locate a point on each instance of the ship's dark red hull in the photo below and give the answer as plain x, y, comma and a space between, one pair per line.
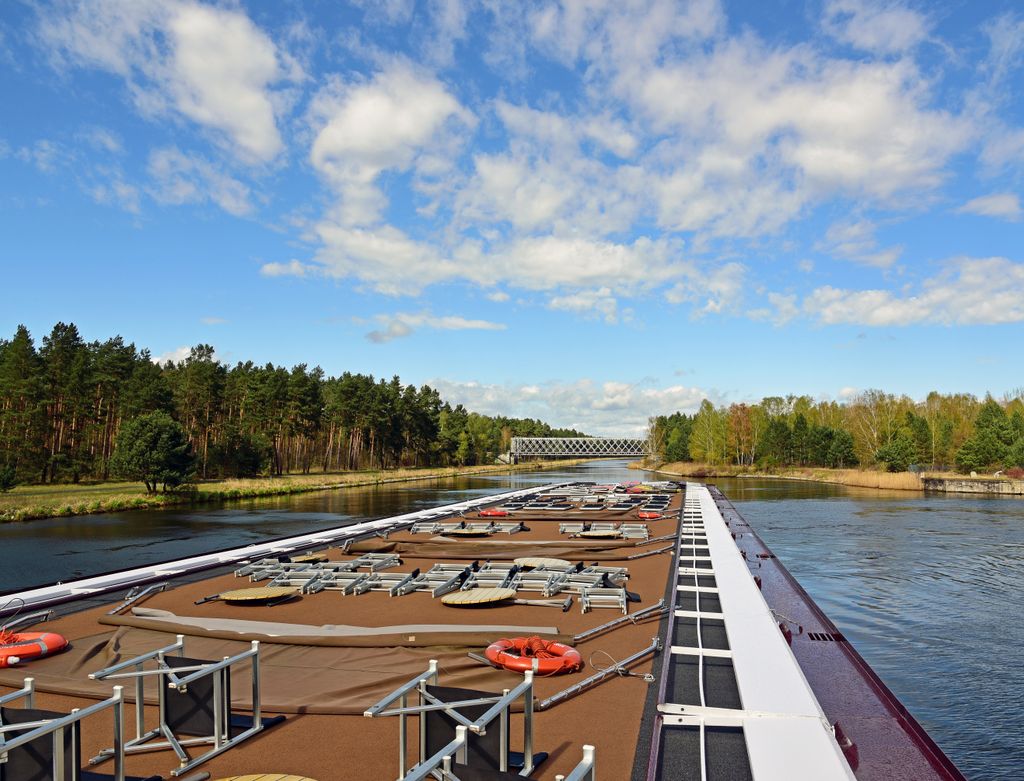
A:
885, 742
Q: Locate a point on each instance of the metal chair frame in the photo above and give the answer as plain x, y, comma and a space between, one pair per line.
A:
179, 679
501, 709
57, 728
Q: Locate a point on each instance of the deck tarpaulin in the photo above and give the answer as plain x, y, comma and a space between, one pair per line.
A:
315, 676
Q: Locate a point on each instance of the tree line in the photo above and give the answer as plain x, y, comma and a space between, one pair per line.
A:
63, 405
873, 429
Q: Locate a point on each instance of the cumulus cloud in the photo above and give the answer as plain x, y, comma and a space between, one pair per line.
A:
1001, 205
610, 408
179, 178
211, 65
394, 326
968, 291
751, 116
366, 128
177, 355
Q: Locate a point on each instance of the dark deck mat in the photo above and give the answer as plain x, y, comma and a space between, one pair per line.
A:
726, 755
720, 689
712, 633
709, 603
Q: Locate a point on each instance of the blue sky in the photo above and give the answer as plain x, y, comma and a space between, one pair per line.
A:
588, 212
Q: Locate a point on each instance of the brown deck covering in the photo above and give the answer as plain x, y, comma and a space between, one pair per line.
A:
312, 680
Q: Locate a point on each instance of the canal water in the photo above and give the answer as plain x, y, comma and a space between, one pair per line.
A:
929, 589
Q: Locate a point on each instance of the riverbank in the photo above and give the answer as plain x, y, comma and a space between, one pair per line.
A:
858, 478
938, 482
31, 502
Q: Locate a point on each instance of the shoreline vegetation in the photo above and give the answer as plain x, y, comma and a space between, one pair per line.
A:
853, 478
33, 502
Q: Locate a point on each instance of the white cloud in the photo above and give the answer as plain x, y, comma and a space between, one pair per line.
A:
209, 64
1002, 205
177, 355
969, 291
590, 303
719, 287
402, 324
110, 187
45, 155
386, 258
880, 26
854, 239
783, 309
609, 408
180, 178
792, 126
614, 34
499, 296
293, 268
364, 129
212, 320
103, 139
806, 265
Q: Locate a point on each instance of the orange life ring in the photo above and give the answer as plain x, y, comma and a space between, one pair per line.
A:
519, 654
24, 646
493, 512
647, 515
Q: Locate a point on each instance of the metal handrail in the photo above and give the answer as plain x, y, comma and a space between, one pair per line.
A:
584, 771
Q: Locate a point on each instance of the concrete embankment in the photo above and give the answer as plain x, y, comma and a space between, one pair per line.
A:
970, 485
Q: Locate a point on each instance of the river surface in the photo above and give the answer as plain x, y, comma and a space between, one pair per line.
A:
929, 589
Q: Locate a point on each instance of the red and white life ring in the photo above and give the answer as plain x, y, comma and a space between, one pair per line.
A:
520, 653
24, 646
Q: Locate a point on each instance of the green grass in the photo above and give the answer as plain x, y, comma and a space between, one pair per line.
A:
28, 502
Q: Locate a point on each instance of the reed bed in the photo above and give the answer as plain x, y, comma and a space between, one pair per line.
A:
859, 478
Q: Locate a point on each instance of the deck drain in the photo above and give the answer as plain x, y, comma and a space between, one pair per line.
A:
831, 637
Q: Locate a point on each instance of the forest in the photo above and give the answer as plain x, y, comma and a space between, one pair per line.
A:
62, 406
872, 429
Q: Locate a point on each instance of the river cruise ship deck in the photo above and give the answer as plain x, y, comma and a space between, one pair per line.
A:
578, 630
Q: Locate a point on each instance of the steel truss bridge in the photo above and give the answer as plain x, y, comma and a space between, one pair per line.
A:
578, 446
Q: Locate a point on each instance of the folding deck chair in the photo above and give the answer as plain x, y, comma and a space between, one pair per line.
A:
463, 731
193, 704
44, 745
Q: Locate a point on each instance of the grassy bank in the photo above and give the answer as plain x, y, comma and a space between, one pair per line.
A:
859, 478
50, 501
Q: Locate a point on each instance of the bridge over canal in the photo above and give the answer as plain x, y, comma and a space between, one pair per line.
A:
578, 447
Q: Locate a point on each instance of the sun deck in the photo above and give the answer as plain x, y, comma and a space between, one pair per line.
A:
729, 697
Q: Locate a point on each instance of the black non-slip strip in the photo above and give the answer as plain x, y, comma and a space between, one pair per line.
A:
726, 754
687, 600
720, 689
